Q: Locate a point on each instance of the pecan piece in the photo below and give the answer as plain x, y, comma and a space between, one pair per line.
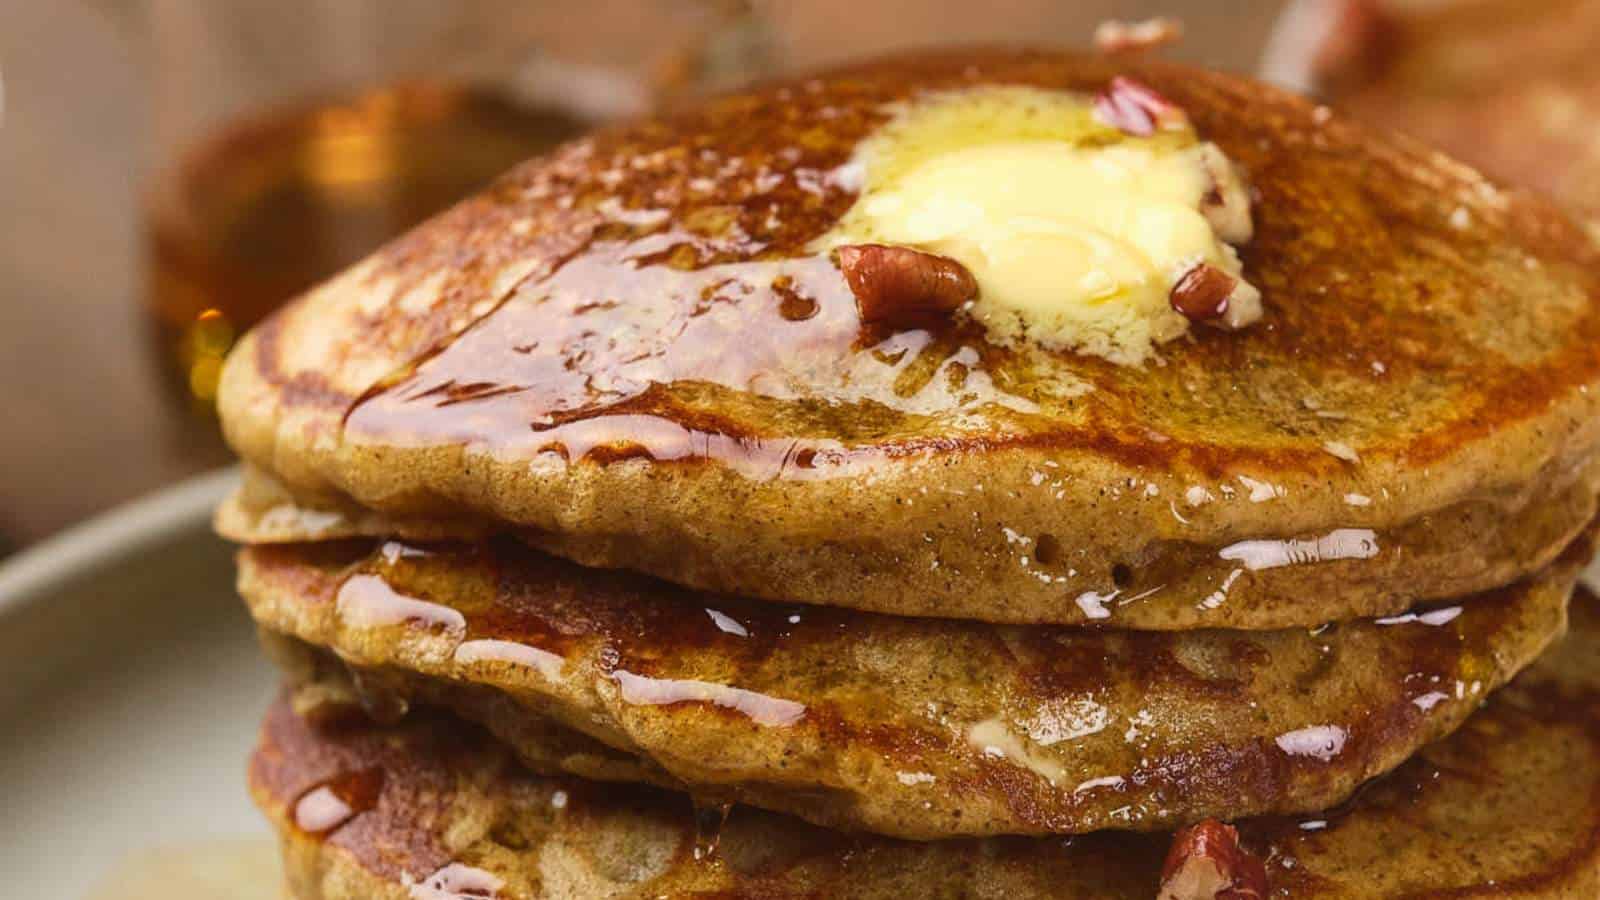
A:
902, 286
1137, 109
1207, 863
1202, 293
1115, 36
1226, 205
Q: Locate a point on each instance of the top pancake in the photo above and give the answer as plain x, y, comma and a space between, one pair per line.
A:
595, 353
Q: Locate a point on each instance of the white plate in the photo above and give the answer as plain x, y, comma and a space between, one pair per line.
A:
130, 690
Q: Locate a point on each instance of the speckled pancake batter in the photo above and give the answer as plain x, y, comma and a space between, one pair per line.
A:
628, 353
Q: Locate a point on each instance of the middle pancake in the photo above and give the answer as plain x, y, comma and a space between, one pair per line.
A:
914, 728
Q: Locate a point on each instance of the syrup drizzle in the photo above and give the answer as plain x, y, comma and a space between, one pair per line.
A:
326, 807
762, 709
709, 820
623, 350
518, 654
368, 601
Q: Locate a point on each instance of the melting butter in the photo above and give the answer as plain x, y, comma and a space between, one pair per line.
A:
995, 738
1075, 232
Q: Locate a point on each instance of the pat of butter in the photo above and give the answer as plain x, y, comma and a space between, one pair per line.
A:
1075, 232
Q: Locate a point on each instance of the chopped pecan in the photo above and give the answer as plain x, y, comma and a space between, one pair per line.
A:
1244, 307
1226, 205
903, 286
1136, 108
1202, 293
1206, 862
1114, 36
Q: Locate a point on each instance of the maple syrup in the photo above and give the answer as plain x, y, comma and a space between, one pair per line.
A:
324, 808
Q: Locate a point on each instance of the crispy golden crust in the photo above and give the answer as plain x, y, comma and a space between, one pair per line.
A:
593, 353
1507, 807
911, 727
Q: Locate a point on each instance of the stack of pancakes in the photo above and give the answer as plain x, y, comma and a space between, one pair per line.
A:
608, 554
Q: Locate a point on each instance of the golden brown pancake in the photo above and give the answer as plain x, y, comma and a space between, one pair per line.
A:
1448, 546
1510, 86
1509, 806
595, 354
916, 728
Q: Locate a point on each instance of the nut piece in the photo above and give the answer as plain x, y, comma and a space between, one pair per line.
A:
1136, 108
1202, 293
1227, 204
902, 286
1114, 36
1244, 308
1207, 863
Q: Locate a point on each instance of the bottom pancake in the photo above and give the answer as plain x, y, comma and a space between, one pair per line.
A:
1508, 806
914, 728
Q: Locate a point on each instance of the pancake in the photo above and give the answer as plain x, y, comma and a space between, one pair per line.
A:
1181, 589
537, 361
1509, 806
916, 728
1509, 86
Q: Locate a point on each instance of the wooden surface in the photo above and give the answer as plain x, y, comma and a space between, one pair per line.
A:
86, 419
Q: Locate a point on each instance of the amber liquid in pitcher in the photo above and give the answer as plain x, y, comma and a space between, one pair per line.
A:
273, 204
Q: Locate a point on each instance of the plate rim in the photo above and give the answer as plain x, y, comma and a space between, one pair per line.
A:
128, 528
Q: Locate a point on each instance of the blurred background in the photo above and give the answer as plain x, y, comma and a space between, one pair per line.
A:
170, 170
